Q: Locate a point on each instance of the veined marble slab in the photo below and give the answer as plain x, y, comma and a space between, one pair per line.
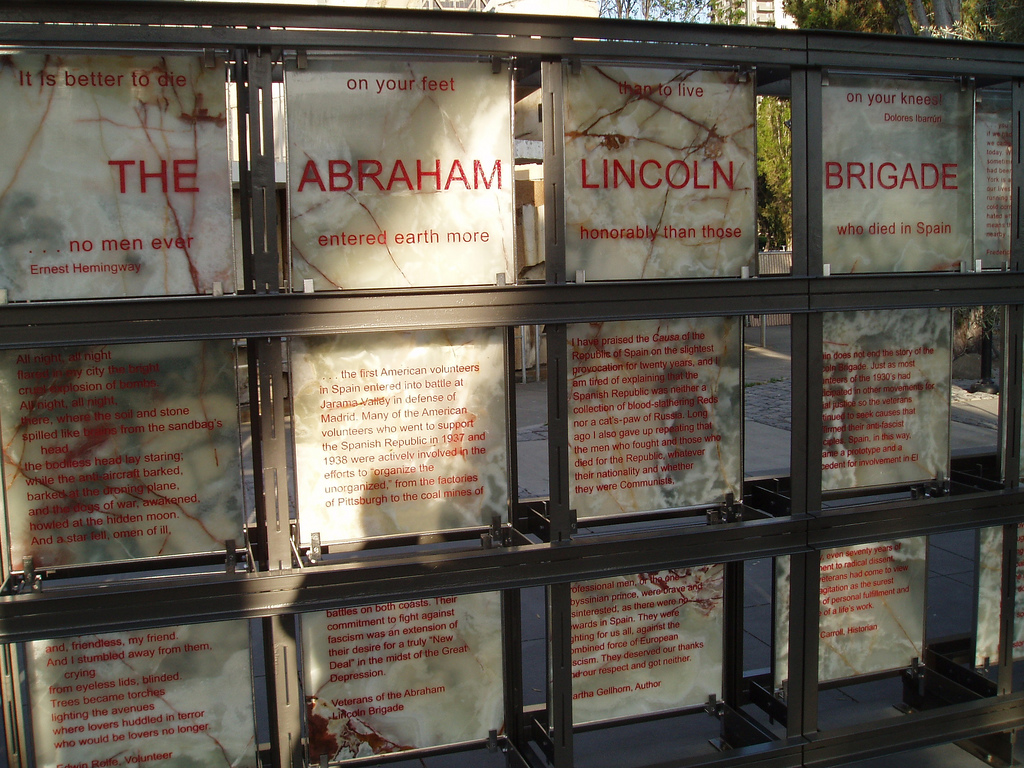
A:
114, 180
400, 173
399, 432
990, 596
120, 452
872, 610
646, 643
898, 163
885, 403
660, 172
655, 410
405, 675
171, 696
993, 182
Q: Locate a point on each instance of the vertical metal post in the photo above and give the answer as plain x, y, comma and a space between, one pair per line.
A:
261, 260
1007, 608
805, 456
261, 269
512, 656
284, 699
732, 683
559, 619
562, 519
554, 171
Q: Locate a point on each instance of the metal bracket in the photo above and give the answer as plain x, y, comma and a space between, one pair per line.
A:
230, 556
497, 536
315, 550
727, 512
713, 706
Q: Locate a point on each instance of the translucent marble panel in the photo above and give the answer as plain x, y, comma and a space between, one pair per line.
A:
656, 412
400, 173
990, 565
872, 612
885, 402
897, 157
646, 643
399, 432
120, 452
993, 183
408, 675
660, 172
114, 180
173, 696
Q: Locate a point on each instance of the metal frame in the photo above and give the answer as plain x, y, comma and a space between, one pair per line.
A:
539, 545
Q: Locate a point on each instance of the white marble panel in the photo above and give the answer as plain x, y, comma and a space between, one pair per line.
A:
872, 611
400, 173
897, 158
114, 180
660, 172
172, 696
406, 675
646, 643
885, 401
399, 432
656, 414
120, 452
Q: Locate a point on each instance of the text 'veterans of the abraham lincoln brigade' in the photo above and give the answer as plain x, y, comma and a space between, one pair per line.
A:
403, 675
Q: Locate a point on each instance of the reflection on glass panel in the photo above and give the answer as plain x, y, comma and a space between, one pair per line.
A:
885, 401
646, 643
399, 432
872, 611
114, 177
120, 452
400, 173
898, 171
388, 678
993, 183
656, 411
173, 696
660, 172
990, 567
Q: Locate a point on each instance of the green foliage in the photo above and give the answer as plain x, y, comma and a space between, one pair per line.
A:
774, 174
993, 20
847, 15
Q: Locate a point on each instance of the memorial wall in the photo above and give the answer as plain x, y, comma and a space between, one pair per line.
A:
129, 460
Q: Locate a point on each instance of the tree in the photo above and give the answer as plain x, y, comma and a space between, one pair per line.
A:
992, 20
774, 174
